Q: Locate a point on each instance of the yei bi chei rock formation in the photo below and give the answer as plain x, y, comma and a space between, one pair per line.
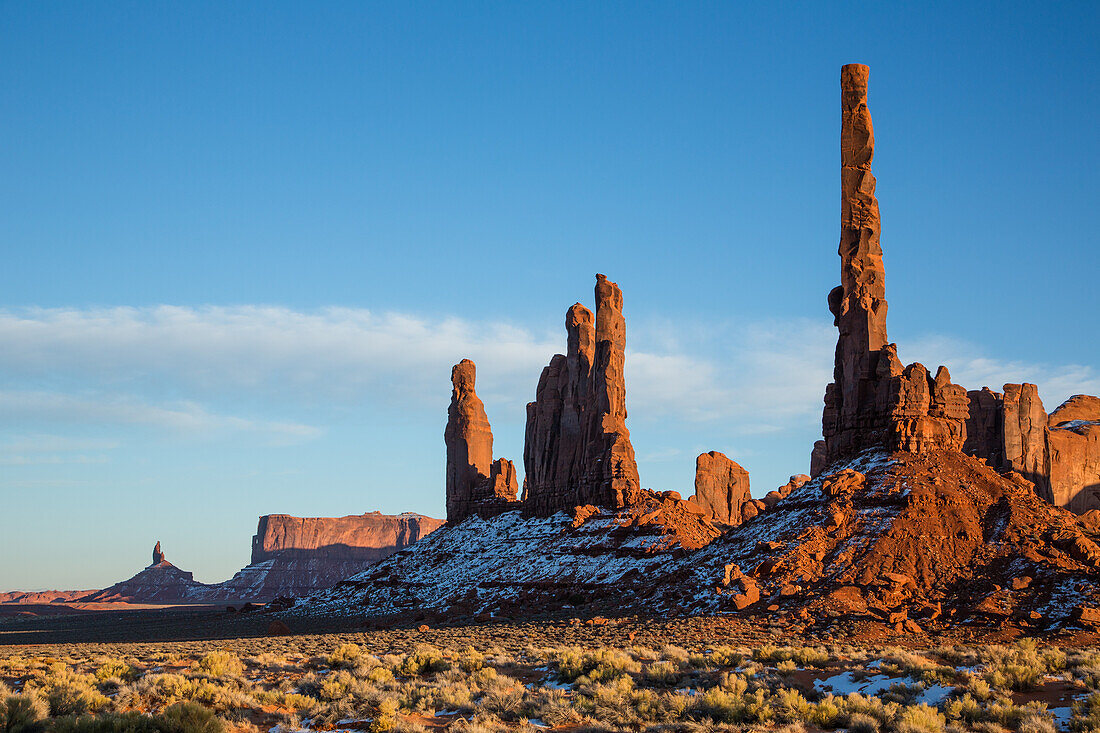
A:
577, 449
897, 526
475, 482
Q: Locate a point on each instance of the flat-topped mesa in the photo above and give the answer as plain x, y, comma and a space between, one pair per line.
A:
158, 556
874, 400
476, 484
577, 448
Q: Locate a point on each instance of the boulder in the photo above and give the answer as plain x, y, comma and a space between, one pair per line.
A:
278, 628
721, 487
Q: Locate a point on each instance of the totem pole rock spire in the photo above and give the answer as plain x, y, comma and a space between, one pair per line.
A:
874, 400
158, 556
861, 297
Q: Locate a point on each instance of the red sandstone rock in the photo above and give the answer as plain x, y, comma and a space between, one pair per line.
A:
1059, 454
721, 487
873, 400
476, 484
577, 448
1073, 441
158, 556
368, 537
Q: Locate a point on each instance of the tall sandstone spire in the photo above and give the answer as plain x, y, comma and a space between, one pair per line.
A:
577, 448
476, 484
874, 400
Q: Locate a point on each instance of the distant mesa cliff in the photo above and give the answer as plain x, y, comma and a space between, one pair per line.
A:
291, 556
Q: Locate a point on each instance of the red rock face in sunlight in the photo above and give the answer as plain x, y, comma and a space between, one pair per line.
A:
721, 487
1059, 454
874, 400
476, 484
1074, 445
577, 449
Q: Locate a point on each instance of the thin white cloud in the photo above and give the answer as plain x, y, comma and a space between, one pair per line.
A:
972, 367
116, 365
30, 407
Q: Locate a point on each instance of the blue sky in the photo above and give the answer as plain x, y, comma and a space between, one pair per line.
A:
244, 243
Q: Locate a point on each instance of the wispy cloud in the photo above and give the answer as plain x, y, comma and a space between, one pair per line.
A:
43, 407
971, 366
116, 365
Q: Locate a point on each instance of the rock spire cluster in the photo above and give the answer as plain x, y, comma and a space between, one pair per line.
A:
476, 484
874, 400
577, 448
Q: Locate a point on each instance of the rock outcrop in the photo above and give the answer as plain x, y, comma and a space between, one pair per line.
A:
1009, 430
476, 484
1059, 454
937, 536
721, 487
577, 448
875, 401
160, 582
1073, 439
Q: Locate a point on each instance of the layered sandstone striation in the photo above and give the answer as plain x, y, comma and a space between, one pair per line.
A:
577, 447
721, 487
476, 484
369, 537
874, 400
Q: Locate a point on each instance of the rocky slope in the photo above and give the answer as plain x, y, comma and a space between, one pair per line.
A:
933, 538
512, 564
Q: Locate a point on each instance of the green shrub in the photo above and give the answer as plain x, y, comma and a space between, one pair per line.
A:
920, 719
343, 656
189, 717
72, 698
422, 660
112, 668
599, 665
662, 673
220, 664
471, 660
860, 723
726, 656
